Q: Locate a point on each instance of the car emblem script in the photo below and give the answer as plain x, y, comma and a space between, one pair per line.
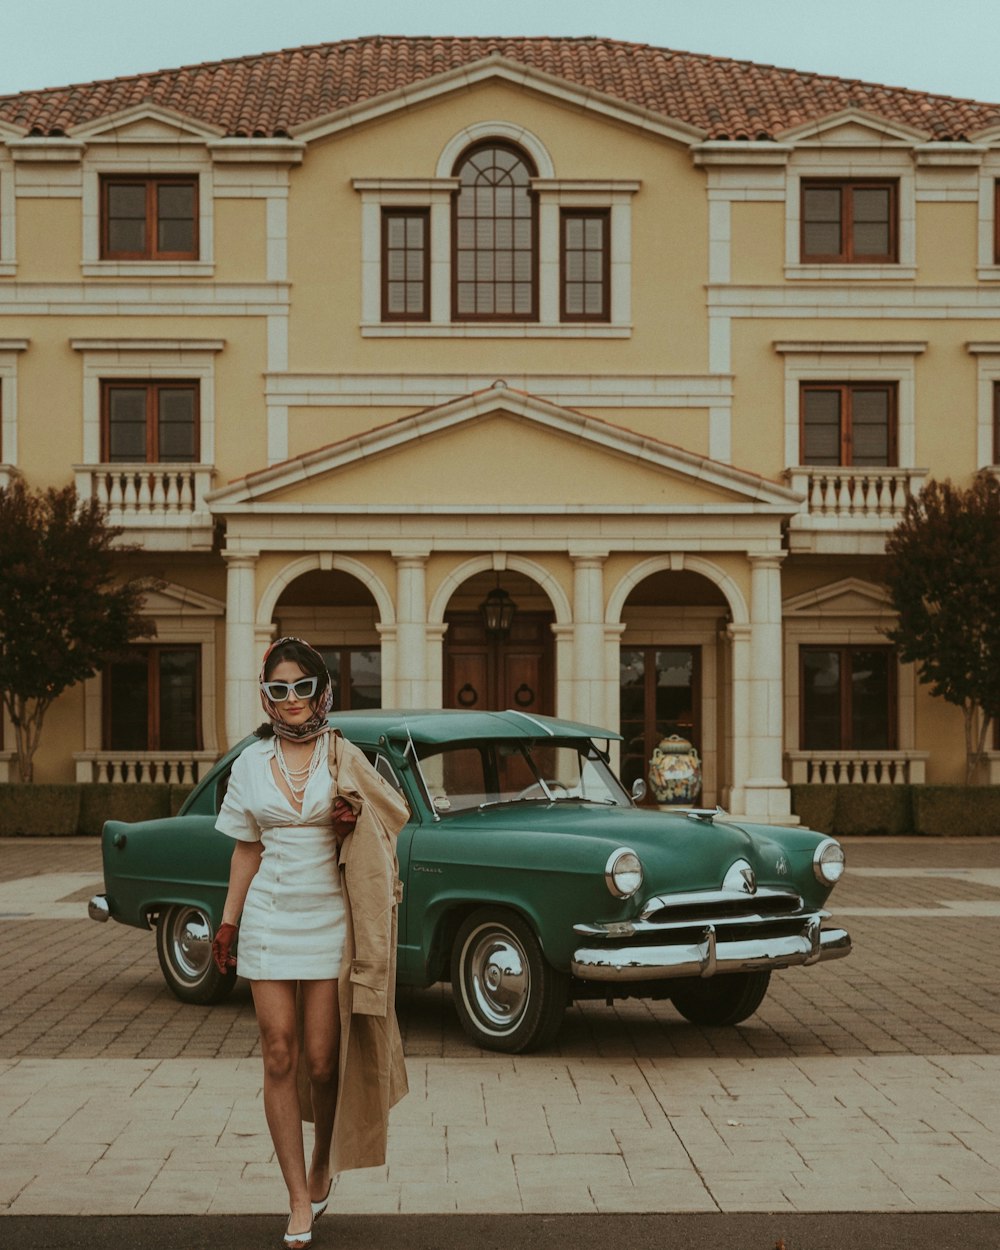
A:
781, 867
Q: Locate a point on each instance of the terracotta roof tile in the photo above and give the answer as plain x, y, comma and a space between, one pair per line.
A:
271, 93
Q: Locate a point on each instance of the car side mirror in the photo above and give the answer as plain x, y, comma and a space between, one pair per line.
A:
638, 790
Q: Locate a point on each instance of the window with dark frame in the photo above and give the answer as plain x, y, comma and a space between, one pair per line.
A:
996, 424
849, 221
356, 674
149, 422
996, 222
659, 695
586, 264
494, 236
149, 218
406, 264
848, 698
152, 700
848, 423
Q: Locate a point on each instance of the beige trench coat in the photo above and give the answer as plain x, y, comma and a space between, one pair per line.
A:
372, 1075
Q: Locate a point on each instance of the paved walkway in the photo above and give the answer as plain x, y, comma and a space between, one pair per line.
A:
866, 1085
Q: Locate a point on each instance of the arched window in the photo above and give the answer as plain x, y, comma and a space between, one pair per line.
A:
494, 227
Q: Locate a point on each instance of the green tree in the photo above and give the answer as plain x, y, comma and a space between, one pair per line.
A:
64, 610
943, 576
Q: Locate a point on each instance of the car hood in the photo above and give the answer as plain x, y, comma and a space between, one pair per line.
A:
676, 852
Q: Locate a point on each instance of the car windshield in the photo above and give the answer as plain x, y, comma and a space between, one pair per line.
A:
463, 775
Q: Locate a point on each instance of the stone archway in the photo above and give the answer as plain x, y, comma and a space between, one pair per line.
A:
496, 671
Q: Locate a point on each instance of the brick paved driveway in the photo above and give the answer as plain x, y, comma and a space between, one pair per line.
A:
924, 916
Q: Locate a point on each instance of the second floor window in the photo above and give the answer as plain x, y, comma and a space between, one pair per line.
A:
586, 265
494, 269
848, 699
406, 264
149, 219
848, 424
149, 422
849, 222
151, 700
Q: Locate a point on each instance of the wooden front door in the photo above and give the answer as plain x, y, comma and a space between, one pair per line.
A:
493, 674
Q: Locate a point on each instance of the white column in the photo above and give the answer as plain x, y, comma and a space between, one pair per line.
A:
242, 707
734, 795
411, 629
767, 793
548, 262
589, 677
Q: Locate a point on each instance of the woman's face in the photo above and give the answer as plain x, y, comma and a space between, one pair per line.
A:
293, 710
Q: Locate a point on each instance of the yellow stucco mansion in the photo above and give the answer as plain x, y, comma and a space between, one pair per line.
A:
650, 346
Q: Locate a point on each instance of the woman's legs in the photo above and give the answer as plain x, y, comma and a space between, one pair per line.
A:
274, 1002
322, 1052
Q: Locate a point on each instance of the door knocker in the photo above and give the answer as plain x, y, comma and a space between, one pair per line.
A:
468, 695
524, 696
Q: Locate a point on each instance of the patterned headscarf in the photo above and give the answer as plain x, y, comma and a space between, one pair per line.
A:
322, 701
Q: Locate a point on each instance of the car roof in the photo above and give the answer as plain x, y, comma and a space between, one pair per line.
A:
437, 725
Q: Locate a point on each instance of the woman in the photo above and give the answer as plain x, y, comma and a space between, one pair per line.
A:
298, 797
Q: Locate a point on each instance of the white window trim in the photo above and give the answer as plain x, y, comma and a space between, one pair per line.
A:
155, 165
839, 165
193, 624
106, 360
553, 195
9, 350
987, 376
877, 361
988, 270
8, 219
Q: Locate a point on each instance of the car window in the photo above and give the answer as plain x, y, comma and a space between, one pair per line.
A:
385, 769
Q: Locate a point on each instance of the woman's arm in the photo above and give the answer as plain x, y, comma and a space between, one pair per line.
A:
242, 870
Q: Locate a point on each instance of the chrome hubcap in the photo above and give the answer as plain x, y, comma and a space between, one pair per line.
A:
191, 943
497, 981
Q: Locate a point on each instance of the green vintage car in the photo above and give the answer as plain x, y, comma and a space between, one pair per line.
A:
531, 878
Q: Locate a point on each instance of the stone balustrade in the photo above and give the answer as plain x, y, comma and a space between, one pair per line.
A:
179, 768
161, 505
868, 494
885, 768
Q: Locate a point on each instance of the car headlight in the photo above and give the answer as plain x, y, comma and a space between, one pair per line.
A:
828, 862
623, 872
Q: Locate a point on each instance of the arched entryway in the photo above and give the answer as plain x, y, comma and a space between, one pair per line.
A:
338, 615
491, 669
669, 683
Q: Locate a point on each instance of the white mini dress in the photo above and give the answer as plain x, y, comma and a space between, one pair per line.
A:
294, 919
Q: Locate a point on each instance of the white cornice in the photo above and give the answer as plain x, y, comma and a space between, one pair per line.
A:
14, 345
856, 347
505, 70
256, 151
147, 345
731, 152
99, 128
58, 148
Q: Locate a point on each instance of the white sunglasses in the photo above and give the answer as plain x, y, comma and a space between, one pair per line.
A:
279, 691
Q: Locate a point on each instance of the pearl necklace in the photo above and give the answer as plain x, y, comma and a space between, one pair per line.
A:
297, 779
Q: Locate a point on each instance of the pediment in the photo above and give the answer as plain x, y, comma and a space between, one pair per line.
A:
497, 68
170, 600
850, 597
504, 449
854, 128
146, 123
7, 131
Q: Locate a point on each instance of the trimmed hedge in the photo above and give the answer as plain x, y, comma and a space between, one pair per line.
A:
936, 811
956, 811
29, 809
47, 810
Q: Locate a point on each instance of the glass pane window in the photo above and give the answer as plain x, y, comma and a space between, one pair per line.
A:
849, 221
659, 696
585, 265
149, 219
406, 264
150, 422
152, 700
848, 697
356, 674
493, 229
848, 424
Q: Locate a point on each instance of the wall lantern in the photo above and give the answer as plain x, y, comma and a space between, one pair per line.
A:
498, 610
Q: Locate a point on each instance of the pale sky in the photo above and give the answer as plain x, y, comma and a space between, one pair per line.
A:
948, 46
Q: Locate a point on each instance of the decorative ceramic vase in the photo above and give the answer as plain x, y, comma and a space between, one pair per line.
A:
675, 771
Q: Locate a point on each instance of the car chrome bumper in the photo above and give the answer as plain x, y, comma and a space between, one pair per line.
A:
711, 954
98, 909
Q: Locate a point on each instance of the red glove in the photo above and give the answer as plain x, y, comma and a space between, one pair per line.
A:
221, 947
344, 818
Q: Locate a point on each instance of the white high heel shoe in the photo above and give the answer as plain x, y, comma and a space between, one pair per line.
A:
297, 1241
319, 1207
